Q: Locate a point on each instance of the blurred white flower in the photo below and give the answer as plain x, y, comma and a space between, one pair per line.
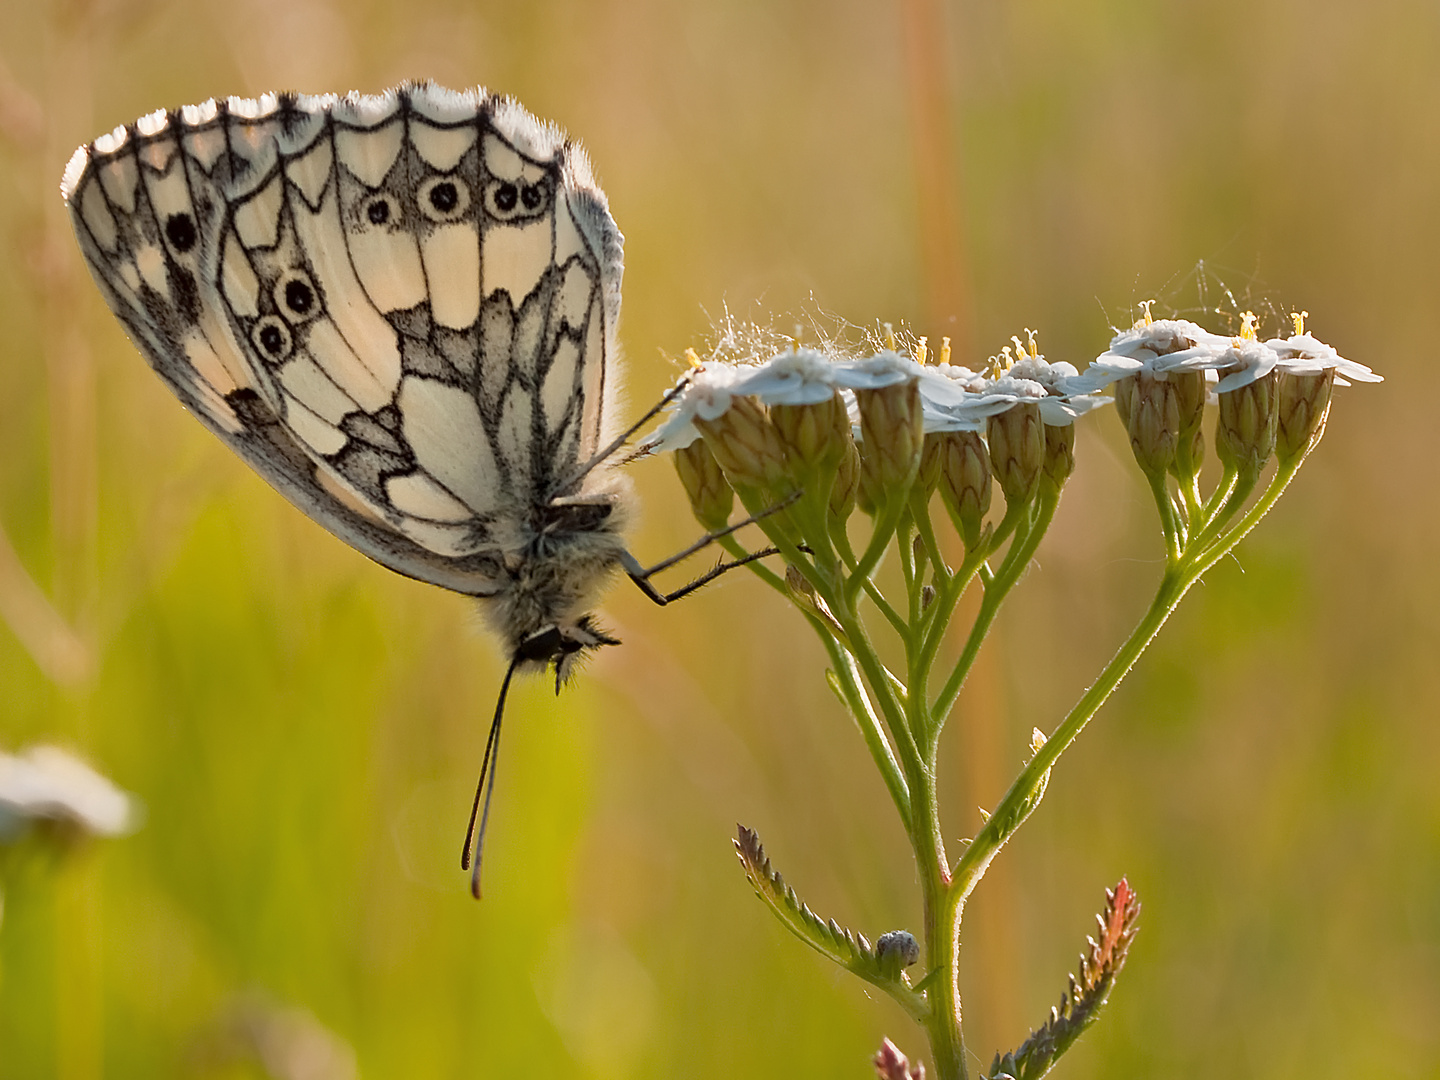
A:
47, 784
281, 1042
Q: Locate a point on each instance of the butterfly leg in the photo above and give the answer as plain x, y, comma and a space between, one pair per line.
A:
641, 575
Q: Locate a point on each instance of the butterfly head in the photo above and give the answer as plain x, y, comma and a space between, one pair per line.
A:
561, 646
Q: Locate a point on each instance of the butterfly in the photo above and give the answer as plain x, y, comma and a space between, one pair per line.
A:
399, 310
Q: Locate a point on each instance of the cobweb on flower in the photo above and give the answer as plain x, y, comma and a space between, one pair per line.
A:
1215, 296
736, 339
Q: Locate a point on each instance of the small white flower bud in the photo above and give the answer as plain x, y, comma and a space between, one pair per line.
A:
1017, 451
1059, 455
1245, 434
1304, 405
711, 496
1154, 421
965, 482
747, 446
892, 429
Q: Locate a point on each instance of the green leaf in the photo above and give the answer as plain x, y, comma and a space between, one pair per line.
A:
852, 951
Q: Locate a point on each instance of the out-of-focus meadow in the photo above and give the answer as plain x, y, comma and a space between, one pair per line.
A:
304, 728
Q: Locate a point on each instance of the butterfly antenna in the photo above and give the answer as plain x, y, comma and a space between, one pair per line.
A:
486, 786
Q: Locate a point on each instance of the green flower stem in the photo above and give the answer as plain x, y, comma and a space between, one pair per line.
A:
848, 684
857, 701
898, 624
910, 571
883, 685
1194, 504
1022, 797
927, 839
1168, 521
926, 528
887, 519
1242, 484
835, 529
1014, 517
996, 589
942, 930
1208, 557
942, 609
813, 520
919, 812
1220, 494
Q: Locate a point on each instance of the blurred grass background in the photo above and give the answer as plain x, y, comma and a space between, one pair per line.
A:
304, 728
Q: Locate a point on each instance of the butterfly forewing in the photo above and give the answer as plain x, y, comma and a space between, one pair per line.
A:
398, 309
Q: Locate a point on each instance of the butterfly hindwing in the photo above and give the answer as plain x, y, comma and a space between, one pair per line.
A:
398, 309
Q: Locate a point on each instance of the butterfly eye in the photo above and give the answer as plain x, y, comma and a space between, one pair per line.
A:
444, 198
180, 231
382, 210
296, 297
272, 337
508, 199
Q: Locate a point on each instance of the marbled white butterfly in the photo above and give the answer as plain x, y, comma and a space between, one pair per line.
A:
400, 311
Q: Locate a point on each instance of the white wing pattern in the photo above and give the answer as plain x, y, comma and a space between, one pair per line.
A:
398, 309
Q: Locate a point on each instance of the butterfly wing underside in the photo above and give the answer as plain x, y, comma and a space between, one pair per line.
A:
398, 309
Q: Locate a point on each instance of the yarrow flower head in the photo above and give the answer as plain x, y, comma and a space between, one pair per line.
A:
804, 435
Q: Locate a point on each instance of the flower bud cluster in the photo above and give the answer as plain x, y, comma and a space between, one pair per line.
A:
875, 432
1272, 395
885, 432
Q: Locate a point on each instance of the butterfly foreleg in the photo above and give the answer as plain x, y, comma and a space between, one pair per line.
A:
641, 575
608, 451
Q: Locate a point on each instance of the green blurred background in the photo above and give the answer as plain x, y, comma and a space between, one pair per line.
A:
304, 728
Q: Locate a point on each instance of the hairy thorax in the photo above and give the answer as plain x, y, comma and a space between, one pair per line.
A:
563, 558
